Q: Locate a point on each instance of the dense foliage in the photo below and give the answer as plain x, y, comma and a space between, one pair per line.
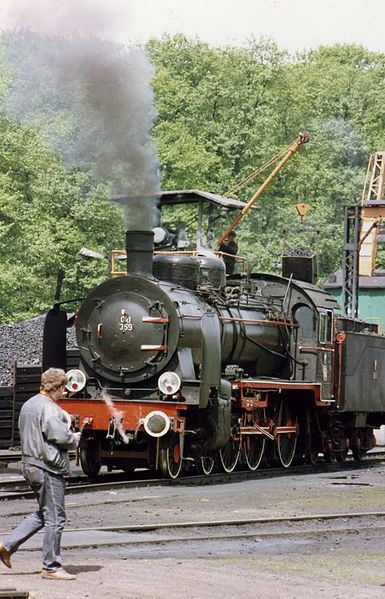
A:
224, 112
220, 114
44, 222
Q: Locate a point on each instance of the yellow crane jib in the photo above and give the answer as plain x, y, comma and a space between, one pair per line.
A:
303, 137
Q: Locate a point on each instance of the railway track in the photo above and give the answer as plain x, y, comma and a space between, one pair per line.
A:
176, 535
18, 488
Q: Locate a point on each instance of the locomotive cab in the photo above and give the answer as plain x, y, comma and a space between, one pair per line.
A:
314, 342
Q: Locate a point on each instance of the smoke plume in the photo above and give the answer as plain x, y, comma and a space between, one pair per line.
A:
103, 89
63, 17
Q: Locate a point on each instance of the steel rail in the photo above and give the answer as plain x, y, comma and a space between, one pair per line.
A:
215, 478
230, 536
231, 522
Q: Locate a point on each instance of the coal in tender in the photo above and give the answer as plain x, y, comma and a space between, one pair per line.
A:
299, 250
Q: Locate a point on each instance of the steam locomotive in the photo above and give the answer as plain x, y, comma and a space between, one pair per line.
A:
181, 368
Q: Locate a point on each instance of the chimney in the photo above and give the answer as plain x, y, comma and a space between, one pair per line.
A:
141, 215
140, 250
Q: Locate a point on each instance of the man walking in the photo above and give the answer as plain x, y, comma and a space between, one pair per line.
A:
45, 439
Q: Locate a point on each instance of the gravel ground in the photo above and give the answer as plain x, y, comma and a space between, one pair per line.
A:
336, 565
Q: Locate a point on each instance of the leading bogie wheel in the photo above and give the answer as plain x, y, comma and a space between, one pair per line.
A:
312, 453
331, 456
89, 458
342, 455
170, 459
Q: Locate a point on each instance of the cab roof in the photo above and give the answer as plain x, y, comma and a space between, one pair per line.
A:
193, 196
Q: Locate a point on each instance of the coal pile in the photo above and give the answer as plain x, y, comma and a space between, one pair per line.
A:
299, 250
23, 342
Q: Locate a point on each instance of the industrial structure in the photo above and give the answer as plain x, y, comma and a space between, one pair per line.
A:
359, 287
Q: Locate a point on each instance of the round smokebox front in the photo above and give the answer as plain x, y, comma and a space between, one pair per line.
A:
127, 329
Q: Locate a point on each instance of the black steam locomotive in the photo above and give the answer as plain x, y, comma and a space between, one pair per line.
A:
182, 368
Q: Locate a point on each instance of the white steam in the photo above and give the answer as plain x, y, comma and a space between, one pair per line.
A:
62, 17
116, 414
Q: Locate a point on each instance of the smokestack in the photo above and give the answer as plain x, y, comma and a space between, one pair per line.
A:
141, 216
140, 250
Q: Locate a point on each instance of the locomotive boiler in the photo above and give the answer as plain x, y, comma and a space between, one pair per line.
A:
181, 368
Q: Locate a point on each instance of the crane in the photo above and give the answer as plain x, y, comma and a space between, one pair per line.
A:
284, 155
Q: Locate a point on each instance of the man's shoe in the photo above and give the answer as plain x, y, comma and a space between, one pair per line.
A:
5, 556
58, 574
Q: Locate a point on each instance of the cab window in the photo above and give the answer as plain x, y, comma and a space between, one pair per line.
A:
304, 316
326, 327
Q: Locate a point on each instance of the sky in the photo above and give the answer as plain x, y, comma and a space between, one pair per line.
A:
293, 24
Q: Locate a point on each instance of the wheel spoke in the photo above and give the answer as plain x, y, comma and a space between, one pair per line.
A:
254, 444
229, 455
312, 437
286, 441
205, 464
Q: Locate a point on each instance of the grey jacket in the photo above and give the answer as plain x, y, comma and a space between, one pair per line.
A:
45, 438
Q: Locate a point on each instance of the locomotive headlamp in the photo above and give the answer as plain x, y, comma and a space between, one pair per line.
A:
76, 380
156, 423
159, 235
169, 383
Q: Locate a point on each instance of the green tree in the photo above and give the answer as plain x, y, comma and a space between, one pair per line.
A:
221, 112
46, 215
214, 107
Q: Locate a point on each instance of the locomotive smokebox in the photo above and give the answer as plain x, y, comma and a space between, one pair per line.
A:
140, 250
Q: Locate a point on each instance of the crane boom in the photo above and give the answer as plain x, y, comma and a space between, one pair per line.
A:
302, 138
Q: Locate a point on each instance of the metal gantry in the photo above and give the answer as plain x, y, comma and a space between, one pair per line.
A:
361, 226
352, 231
375, 178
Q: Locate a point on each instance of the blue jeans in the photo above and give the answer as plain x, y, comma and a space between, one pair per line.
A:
49, 489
